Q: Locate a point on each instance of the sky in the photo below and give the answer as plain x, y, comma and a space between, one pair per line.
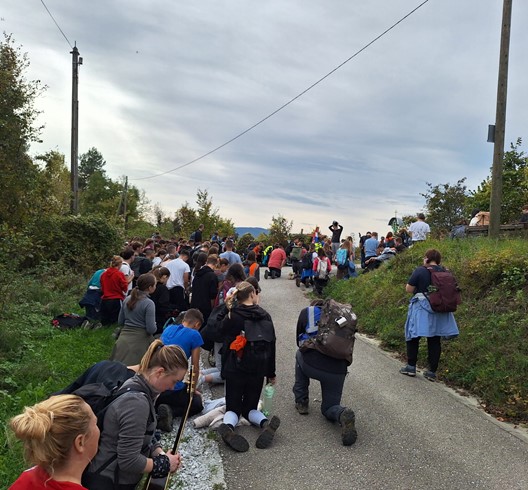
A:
164, 82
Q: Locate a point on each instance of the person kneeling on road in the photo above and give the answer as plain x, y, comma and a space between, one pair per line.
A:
276, 262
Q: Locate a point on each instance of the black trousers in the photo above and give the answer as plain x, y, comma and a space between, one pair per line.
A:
110, 311
243, 393
434, 350
178, 401
178, 299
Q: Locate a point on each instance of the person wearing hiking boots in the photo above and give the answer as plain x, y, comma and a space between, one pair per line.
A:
276, 262
248, 357
330, 372
422, 321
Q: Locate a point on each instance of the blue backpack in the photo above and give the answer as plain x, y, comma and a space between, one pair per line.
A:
312, 327
342, 258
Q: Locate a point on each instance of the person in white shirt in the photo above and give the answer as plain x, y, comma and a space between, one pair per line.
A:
128, 256
419, 229
178, 282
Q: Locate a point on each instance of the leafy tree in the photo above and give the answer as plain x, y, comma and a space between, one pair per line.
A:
54, 184
280, 229
17, 131
445, 205
244, 241
89, 163
514, 186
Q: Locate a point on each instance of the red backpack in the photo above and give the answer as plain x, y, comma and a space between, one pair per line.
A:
443, 293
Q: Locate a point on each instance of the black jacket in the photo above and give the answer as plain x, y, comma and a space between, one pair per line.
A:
204, 290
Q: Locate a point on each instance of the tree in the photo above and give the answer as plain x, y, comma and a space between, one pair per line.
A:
54, 184
514, 186
445, 205
89, 163
280, 229
17, 131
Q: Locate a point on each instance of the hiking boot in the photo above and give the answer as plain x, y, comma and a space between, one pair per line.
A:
347, 419
297, 281
430, 375
266, 274
302, 407
266, 436
233, 440
165, 418
408, 370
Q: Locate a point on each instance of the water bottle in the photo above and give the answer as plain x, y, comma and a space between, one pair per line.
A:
267, 399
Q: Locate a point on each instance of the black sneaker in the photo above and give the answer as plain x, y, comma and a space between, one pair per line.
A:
165, 418
408, 370
233, 440
302, 407
266, 274
347, 420
430, 375
266, 436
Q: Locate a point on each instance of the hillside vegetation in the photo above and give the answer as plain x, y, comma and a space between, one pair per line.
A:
490, 357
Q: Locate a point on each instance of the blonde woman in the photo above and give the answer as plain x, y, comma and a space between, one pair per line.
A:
60, 437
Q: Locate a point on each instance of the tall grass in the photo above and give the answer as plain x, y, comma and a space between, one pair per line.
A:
490, 357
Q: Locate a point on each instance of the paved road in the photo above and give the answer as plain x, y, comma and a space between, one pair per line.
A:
413, 434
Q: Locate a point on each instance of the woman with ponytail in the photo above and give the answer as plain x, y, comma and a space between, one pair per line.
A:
138, 317
114, 287
248, 356
60, 437
126, 448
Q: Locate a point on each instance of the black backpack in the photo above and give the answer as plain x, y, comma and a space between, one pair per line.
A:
443, 293
307, 261
211, 330
67, 321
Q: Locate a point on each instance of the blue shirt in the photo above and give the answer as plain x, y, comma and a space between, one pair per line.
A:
232, 257
371, 247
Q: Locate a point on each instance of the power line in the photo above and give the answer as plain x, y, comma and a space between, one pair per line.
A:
58, 26
287, 103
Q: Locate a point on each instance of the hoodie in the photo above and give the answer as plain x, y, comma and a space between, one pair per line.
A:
204, 290
113, 284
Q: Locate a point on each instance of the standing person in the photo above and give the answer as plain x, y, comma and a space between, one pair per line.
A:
321, 267
422, 321
336, 230
198, 235
231, 256
330, 372
524, 215
244, 370
419, 229
205, 285
127, 449
60, 437
128, 257
276, 262
138, 317
178, 282
114, 287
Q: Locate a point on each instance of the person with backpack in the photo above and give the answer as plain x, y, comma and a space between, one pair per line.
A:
313, 362
127, 448
422, 320
248, 357
321, 267
60, 437
307, 268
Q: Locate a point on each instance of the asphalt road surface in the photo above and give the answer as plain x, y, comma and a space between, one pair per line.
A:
412, 434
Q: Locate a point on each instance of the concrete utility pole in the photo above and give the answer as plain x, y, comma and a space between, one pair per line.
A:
76, 61
500, 124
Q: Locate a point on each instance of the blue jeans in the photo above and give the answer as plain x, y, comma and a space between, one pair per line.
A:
331, 387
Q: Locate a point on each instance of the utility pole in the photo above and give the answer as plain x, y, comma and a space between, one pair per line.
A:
76, 61
500, 124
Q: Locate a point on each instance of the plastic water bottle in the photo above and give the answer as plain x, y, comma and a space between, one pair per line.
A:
267, 399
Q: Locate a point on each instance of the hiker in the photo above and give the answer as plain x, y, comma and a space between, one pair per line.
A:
173, 402
231, 256
138, 317
422, 321
330, 372
91, 301
204, 284
128, 257
245, 363
276, 262
253, 269
179, 278
60, 437
419, 229
114, 287
336, 230
127, 449
161, 298
321, 267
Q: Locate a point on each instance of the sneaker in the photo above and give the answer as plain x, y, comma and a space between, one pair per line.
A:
302, 407
347, 419
430, 375
165, 418
297, 281
408, 370
266, 436
86, 325
233, 440
266, 274
97, 326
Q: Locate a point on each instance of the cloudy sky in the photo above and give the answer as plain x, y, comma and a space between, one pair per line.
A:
165, 82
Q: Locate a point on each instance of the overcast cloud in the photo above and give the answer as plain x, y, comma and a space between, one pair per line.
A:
164, 82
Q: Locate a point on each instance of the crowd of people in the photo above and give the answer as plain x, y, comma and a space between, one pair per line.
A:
172, 300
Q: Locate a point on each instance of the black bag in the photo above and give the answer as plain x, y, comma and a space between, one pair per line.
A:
211, 331
66, 321
443, 293
307, 261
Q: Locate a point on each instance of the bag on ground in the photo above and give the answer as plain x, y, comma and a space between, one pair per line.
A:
66, 321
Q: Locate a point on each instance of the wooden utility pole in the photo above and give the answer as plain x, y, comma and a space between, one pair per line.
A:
500, 124
76, 61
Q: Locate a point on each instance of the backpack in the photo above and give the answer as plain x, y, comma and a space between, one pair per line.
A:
322, 268
211, 330
193, 236
307, 261
66, 321
314, 315
443, 293
336, 332
342, 258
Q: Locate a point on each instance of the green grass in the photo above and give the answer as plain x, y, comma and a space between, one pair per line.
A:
490, 357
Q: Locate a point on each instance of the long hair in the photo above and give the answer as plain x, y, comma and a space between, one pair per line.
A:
49, 428
144, 282
235, 273
116, 261
243, 291
169, 357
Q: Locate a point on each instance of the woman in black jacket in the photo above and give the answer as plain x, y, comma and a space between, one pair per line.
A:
161, 298
204, 284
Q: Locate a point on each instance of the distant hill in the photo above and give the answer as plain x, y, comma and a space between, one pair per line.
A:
240, 230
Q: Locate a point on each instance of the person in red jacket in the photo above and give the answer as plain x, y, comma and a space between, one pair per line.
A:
60, 438
114, 287
276, 262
